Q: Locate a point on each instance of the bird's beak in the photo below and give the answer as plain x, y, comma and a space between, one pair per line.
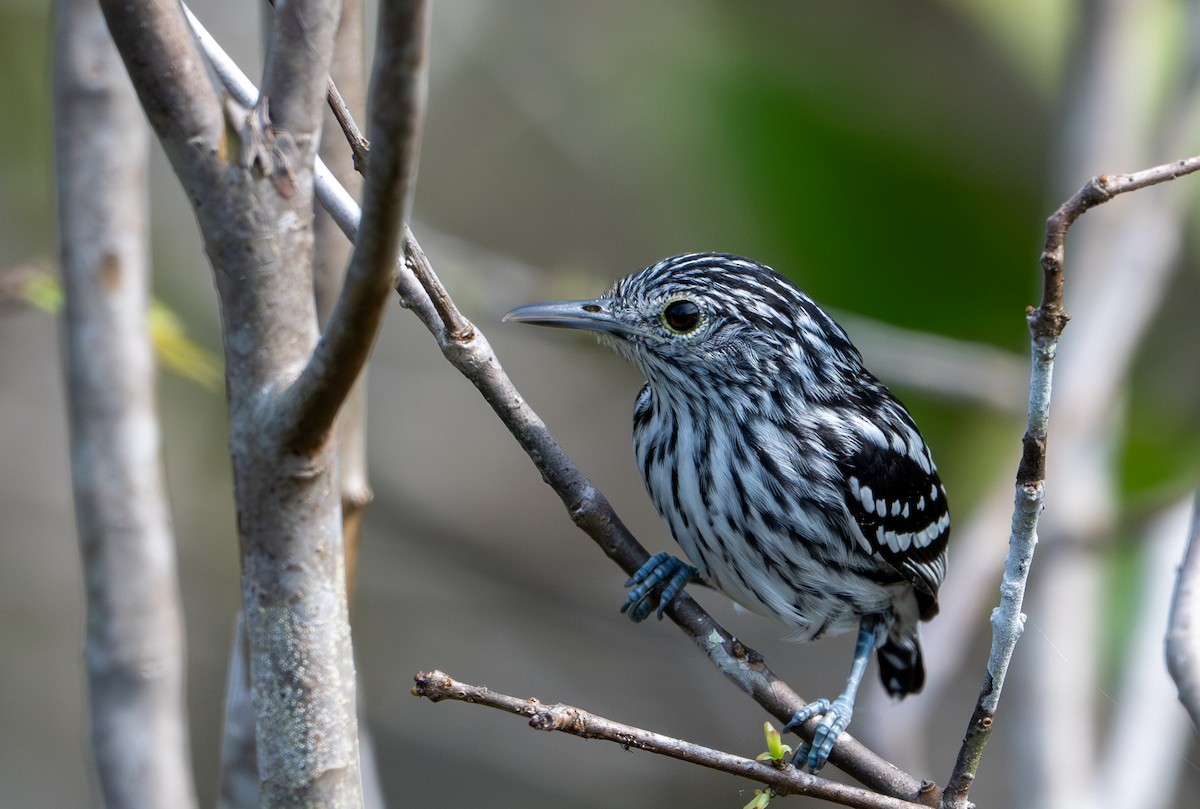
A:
594, 315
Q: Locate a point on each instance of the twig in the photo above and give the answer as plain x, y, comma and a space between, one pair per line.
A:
1046, 324
359, 145
1183, 627
785, 780
455, 327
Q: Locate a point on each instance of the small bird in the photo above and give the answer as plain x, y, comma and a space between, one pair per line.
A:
793, 480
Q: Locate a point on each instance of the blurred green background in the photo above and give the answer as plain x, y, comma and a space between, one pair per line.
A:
897, 160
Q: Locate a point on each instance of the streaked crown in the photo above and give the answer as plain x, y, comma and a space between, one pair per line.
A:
714, 318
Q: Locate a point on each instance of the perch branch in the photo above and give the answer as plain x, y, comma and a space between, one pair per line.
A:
787, 780
1046, 324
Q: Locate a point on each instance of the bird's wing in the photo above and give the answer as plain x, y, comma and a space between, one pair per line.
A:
893, 491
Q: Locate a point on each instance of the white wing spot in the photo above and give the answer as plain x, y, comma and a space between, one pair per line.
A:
895, 508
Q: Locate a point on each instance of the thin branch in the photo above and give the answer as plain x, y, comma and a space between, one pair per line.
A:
397, 102
359, 145
587, 506
172, 83
1046, 324
786, 780
1183, 627
455, 327
134, 647
1048, 320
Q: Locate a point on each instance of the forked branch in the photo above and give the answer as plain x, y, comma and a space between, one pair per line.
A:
1046, 324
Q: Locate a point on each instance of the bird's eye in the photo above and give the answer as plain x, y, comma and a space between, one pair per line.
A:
681, 316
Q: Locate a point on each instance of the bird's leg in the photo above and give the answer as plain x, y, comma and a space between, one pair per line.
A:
835, 716
660, 569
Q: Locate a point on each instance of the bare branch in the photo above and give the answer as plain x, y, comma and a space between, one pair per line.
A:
330, 259
134, 648
455, 327
172, 83
785, 780
359, 145
333, 196
1048, 320
1046, 324
1183, 628
397, 100
299, 51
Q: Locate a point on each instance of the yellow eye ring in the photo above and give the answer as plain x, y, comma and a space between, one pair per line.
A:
681, 316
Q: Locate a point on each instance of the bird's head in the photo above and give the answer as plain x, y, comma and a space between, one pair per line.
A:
710, 317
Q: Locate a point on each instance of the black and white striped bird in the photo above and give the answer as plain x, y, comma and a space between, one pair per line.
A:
792, 478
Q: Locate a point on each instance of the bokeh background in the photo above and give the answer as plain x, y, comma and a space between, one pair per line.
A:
898, 161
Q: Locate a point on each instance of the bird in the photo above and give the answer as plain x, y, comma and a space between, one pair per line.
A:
793, 480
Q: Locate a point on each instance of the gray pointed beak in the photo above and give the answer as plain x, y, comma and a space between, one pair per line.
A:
593, 315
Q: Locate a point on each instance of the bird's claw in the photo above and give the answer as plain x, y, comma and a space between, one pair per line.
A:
663, 569
835, 718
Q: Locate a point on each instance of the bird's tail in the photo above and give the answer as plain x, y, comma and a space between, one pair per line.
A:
901, 664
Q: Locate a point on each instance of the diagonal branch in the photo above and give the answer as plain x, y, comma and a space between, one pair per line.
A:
397, 101
1046, 324
1183, 627
786, 780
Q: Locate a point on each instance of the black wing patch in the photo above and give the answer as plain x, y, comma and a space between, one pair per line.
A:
900, 506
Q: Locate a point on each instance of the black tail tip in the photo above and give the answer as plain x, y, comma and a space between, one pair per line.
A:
901, 667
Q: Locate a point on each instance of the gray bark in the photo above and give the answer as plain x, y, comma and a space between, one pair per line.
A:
250, 179
134, 648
